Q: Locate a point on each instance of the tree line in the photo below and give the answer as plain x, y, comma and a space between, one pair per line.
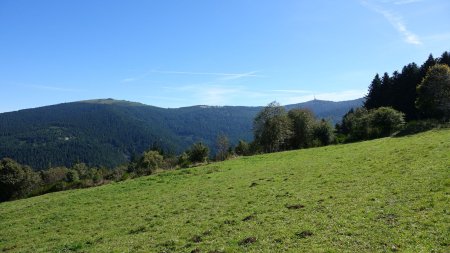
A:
412, 90
274, 130
414, 100
20, 181
410, 101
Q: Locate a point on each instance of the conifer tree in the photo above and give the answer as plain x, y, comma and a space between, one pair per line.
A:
374, 97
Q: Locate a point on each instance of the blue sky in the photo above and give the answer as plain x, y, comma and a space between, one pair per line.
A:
236, 52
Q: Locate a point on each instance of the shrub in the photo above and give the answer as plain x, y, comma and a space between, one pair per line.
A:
148, 163
16, 180
243, 148
323, 133
384, 121
183, 160
198, 153
72, 176
54, 175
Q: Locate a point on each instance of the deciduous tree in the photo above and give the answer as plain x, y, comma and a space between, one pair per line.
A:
433, 99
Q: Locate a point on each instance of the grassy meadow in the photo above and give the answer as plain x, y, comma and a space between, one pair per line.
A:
384, 195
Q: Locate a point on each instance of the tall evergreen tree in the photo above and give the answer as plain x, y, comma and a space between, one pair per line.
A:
386, 84
430, 62
404, 90
445, 59
374, 97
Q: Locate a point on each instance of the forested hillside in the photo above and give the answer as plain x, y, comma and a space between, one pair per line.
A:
107, 132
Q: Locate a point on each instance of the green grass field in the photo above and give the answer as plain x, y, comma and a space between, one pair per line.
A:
384, 195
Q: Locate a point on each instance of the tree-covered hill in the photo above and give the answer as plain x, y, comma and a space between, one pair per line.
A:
107, 132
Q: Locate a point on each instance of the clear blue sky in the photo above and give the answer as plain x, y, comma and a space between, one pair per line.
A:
217, 52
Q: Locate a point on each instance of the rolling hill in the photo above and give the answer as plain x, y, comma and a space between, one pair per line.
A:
107, 132
384, 195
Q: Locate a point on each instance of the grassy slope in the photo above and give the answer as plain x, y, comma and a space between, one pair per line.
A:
383, 195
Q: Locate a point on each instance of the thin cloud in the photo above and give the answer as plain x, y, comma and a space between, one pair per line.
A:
396, 21
222, 76
210, 94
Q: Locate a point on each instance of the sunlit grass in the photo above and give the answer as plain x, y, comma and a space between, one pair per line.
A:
388, 195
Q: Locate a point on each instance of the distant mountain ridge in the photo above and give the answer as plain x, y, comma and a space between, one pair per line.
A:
108, 132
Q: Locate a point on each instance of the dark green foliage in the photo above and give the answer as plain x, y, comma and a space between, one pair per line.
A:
399, 90
418, 126
108, 132
16, 181
198, 153
118, 174
445, 59
148, 163
276, 130
363, 124
404, 90
183, 160
374, 98
72, 176
303, 122
385, 121
355, 124
271, 128
433, 99
323, 133
54, 175
242, 148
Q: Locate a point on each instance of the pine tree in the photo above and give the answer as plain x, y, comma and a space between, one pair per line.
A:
374, 97
445, 59
430, 62
404, 90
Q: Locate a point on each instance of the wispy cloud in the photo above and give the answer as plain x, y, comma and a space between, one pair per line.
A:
206, 94
221, 76
396, 20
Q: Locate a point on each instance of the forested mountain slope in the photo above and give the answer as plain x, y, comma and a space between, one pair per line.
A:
107, 132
